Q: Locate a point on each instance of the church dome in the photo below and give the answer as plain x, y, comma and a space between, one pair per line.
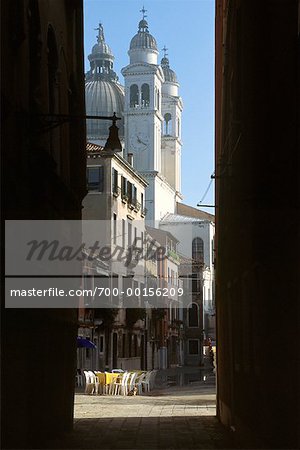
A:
103, 98
143, 39
104, 95
169, 74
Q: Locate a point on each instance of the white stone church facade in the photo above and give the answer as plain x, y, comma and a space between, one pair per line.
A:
150, 107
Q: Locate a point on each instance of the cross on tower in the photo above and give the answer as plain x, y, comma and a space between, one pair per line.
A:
143, 11
165, 49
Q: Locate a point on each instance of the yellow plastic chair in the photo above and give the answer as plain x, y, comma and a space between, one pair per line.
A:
101, 382
110, 378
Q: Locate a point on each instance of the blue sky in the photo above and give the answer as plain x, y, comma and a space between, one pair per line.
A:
186, 27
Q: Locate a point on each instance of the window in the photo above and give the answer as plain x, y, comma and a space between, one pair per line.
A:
123, 345
123, 186
88, 285
129, 191
52, 68
115, 281
123, 232
101, 344
129, 344
158, 100
95, 178
134, 194
135, 236
167, 124
193, 315
135, 345
142, 201
134, 95
193, 346
172, 277
129, 234
114, 228
198, 250
178, 127
145, 95
53, 92
114, 180
195, 285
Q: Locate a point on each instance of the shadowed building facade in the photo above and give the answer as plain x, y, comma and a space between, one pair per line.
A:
43, 165
257, 220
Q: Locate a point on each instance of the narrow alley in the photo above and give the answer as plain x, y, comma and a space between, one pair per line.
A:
174, 417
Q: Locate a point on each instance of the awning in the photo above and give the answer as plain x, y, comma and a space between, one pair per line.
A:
84, 343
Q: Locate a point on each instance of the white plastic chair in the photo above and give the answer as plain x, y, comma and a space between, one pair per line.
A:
131, 383
120, 385
138, 382
89, 382
149, 380
94, 381
79, 379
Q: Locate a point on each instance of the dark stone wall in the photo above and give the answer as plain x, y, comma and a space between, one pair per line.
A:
257, 220
43, 177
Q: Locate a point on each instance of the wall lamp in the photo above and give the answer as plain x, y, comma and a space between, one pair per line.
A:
55, 120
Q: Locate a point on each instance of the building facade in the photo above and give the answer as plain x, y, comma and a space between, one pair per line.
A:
257, 182
115, 201
43, 163
196, 248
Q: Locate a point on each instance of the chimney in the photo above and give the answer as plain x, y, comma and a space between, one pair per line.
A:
130, 158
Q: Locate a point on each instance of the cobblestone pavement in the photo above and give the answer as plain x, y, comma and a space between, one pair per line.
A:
174, 418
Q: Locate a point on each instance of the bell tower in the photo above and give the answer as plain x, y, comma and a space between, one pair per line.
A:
143, 118
171, 128
143, 83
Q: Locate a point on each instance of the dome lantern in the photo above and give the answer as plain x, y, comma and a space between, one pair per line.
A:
170, 75
101, 59
104, 95
143, 46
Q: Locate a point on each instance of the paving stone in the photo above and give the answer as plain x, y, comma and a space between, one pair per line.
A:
171, 419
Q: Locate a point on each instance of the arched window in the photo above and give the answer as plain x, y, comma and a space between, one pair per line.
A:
145, 95
193, 315
134, 95
52, 68
35, 52
53, 96
158, 100
198, 250
167, 124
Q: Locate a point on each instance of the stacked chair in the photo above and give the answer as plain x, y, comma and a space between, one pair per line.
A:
117, 382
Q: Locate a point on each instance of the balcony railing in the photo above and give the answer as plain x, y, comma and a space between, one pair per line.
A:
172, 254
116, 191
131, 203
137, 205
124, 197
144, 212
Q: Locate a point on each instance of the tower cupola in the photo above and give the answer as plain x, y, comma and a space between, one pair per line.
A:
143, 46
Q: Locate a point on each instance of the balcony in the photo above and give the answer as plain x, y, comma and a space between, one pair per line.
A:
124, 197
134, 204
144, 212
131, 203
173, 255
116, 191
